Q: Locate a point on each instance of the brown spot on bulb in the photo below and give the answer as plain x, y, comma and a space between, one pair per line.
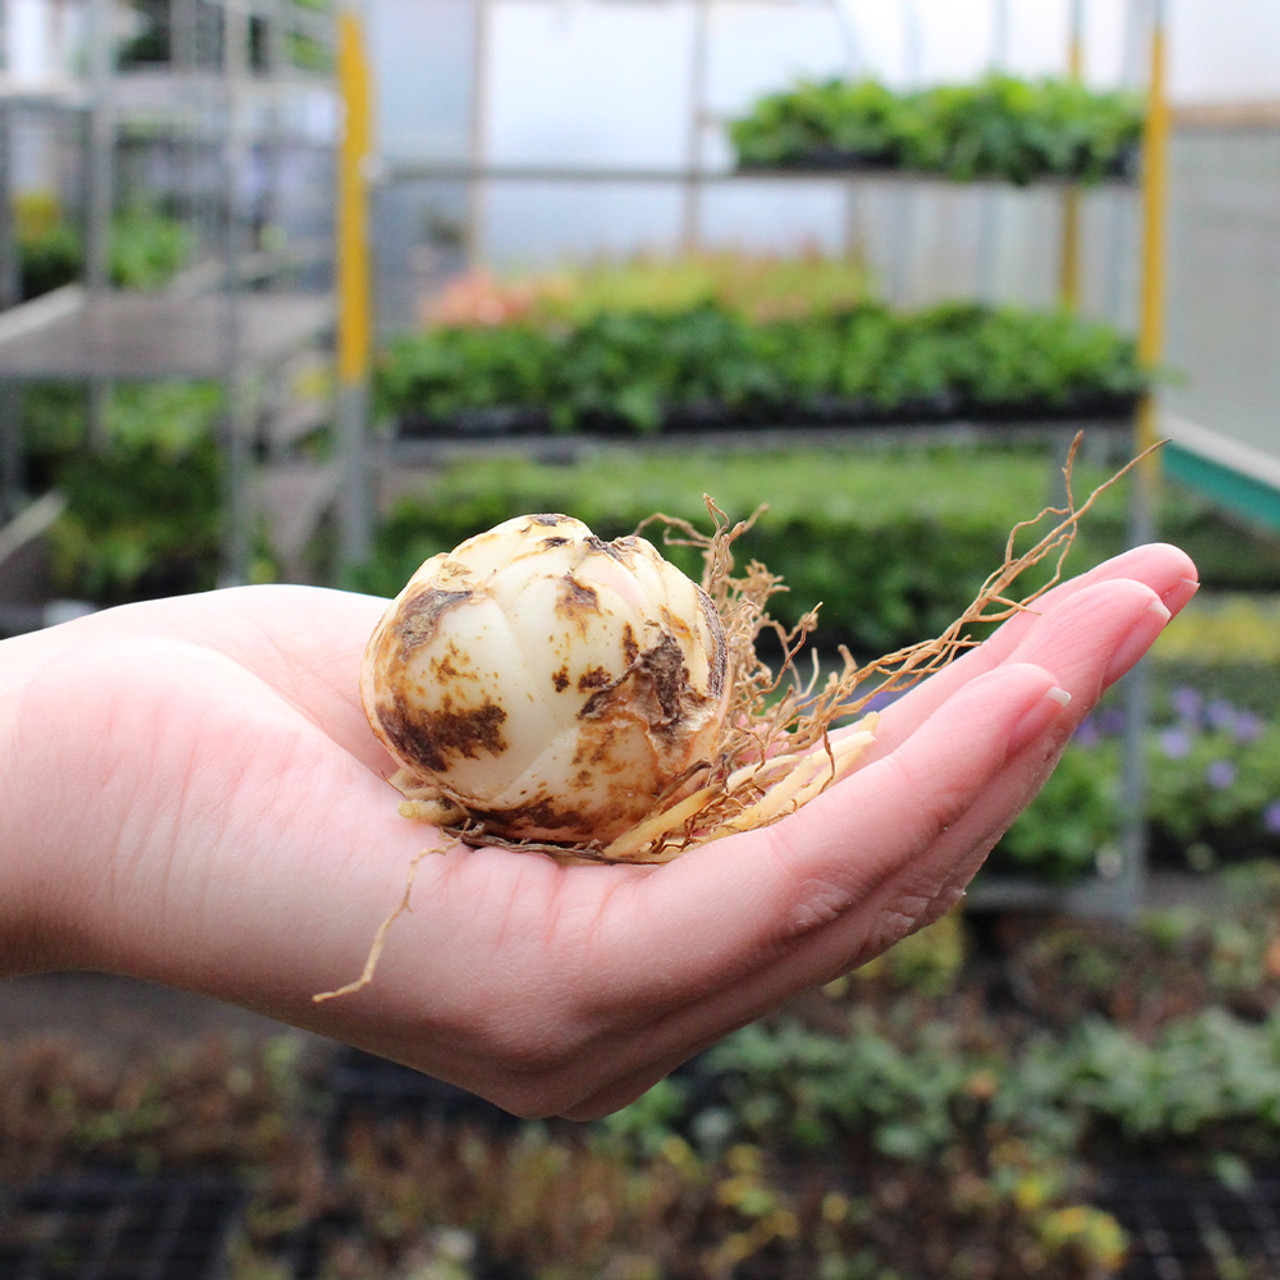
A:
575, 600
656, 685
534, 817
418, 617
596, 678
630, 650
429, 739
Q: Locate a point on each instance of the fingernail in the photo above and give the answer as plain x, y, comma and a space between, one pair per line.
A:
1180, 593
1149, 625
1036, 719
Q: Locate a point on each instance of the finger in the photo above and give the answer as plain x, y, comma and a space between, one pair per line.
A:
1164, 569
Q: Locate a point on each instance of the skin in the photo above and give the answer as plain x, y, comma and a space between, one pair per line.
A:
192, 796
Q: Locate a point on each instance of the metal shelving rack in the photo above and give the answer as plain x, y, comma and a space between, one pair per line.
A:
1123, 893
222, 103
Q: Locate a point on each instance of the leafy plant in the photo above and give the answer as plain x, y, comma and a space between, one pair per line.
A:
1076, 817
143, 514
646, 371
145, 250
891, 543
1000, 128
1212, 792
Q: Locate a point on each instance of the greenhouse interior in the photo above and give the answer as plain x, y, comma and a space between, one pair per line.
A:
861, 327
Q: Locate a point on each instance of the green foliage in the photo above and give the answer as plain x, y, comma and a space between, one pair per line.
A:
144, 513
875, 1131
1214, 779
893, 544
912, 1088
48, 259
863, 120
640, 371
1200, 1075
1062, 835
146, 249
1000, 128
1212, 791
821, 1089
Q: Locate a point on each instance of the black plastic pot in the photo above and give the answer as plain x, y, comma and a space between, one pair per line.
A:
362, 1085
1185, 1228
118, 1226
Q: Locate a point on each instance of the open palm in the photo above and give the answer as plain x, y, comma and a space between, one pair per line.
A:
194, 797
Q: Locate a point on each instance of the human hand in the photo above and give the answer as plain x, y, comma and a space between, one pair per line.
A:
192, 796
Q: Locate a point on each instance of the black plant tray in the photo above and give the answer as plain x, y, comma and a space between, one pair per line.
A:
364, 1086
118, 1226
1185, 1228
1123, 167
508, 422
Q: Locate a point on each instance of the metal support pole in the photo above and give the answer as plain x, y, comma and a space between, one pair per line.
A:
1069, 266
1143, 514
478, 188
355, 293
12, 478
12, 470
903, 232
10, 263
1155, 189
992, 198
101, 194
237, 508
101, 160
691, 215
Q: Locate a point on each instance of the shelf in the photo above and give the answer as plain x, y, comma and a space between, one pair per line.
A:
465, 171
132, 335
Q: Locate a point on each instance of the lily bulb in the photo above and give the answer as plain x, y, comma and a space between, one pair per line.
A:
549, 685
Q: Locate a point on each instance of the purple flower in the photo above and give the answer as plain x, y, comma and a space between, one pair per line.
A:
1247, 727
1089, 734
1220, 774
1111, 720
1186, 703
1175, 743
1271, 818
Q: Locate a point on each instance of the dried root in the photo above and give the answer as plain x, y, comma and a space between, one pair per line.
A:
380, 938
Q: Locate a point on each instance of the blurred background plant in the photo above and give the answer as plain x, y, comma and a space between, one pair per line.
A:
146, 247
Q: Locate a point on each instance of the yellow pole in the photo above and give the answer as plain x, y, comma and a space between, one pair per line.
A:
1155, 182
1069, 268
355, 296
354, 290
